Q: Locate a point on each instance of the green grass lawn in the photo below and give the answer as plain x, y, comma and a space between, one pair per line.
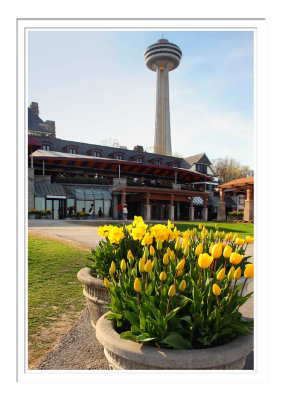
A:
54, 292
243, 230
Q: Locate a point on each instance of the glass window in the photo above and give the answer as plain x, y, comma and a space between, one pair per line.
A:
119, 157
88, 205
97, 205
175, 165
79, 205
72, 150
46, 147
140, 159
158, 162
201, 168
79, 192
107, 205
70, 202
40, 203
96, 153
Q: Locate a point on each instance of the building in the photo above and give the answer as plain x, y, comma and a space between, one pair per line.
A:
67, 176
161, 58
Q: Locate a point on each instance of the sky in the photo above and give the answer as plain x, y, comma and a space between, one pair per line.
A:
96, 87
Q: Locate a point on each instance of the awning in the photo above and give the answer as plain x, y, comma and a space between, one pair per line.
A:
42, 189
92, 193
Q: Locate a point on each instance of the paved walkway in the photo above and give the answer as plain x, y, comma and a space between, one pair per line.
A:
79, 349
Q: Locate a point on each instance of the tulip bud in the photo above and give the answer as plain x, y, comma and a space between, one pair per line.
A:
137, 285
148, 266
163, 276
155, 262
129, 254
180, 264
123, 265
171, 291
221, 274
172, 255
216, 289
179, 273
107, 283
159, 244
186, 251
182, 286
231, 273
168, 251
152, 251
165, 259
249, 271
177, 244
199, 249
227, 251
146, 252
141, 265
237, 273
200, 227
112, 268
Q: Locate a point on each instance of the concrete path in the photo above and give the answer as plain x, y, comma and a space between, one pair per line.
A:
85, 352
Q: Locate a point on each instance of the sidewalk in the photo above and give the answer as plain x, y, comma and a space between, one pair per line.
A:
79, 348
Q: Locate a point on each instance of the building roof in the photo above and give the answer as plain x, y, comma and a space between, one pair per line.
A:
238, 183
198, 158
60, 145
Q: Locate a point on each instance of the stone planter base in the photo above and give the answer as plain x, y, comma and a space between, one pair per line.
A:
127, 355
96, 294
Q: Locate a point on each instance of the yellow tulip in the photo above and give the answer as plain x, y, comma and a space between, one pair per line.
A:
216, 289
249, 239
107, 283
168, 251
236, 258
180, 265
171, 291
152, 251
163, 276
146, 252
177, 244
148, 266
231, 273
182, 286
200, 227
179, 273
216, 251
227, 251
155, 263
112, 269
199, 249
221, 274
123, 265
129, 255
239, 242
165, 259
141, 265
186, 251
159, 244
249, 271
172, 255
211, 246
137, 285
205, 260
237, 274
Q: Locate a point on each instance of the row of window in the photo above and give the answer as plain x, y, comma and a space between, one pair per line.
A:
73, 150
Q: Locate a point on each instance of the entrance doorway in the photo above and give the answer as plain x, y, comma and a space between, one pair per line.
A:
58, 208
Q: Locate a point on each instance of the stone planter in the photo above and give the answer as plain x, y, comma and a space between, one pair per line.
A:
128, 355
96, 294
31, 216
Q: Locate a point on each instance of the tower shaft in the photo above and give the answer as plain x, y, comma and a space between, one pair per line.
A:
162, 143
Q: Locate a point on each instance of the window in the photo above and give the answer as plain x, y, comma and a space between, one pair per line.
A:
139, 159
72, 150
46, 147
96, 154
201, 168
158, 162
119, 157
175, 165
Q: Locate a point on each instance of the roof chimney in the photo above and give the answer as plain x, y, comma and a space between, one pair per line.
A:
34, 108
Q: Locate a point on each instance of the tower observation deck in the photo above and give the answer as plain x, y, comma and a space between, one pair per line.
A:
162, 57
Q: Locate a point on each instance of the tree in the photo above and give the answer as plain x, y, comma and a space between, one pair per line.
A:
228, 169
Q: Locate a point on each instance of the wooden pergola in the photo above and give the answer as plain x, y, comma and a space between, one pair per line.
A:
238, 185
